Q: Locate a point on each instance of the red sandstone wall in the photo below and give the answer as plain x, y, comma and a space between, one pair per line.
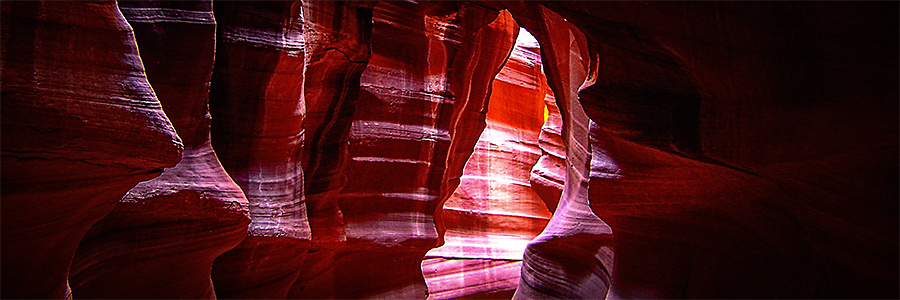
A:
735, 150
495, 212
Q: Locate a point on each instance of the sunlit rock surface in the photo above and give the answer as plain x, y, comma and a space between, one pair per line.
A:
257, 109
80, 127
735, 150
422, 100
572, 257
494, 212
192, 212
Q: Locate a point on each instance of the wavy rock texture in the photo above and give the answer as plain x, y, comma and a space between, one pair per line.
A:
572, 257
161, 239
337, 50
736, 150
731, 123
548, 176
417, 119
80, 126
257, 105
494, 212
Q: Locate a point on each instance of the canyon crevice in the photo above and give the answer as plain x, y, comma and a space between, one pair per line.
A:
449, 150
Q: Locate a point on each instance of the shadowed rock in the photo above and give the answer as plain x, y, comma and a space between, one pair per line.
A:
80, 126
257, 106
161, 239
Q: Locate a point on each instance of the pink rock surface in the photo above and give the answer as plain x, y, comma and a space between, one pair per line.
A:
494, 212
80, 126
735, 150
192, 212
572, 257
417, 118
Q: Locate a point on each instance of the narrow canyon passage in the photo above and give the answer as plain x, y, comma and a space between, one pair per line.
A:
495, 211
449, 150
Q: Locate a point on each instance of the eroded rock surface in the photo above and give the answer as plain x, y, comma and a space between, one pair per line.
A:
337, 49
572, 257
732, 120
178, 223
417, 118
735, 150
494, 212
256, 101
80, 127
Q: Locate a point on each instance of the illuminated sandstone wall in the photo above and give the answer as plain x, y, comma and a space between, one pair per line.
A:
732, 150
179, 222
417, 118
494, 212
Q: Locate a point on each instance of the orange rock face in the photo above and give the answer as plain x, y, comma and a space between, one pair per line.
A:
495, 212
420, 111
411, 150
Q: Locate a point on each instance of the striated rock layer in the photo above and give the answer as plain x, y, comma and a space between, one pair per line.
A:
337, 49
80, 127
572, 257
256, 101
757, 143
494, 212
419, 114
736, 150
179, 222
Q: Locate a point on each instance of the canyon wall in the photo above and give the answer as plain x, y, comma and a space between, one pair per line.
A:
179, 222
80, 127
495, 212
321, 149
257, 109
418, 115
757, 145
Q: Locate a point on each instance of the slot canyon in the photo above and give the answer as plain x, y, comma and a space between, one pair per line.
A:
449, 150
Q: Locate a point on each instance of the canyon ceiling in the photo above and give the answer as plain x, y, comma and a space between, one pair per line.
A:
449, 149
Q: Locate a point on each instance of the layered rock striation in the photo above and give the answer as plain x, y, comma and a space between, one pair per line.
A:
337, 46
572, 257
732, 150
179, 222
419, 113
256, 101
80, 127
494, 212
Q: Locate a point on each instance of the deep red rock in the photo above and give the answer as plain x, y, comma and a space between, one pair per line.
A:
337, 50
736, 150
257, 106
494, 212
192, 212
744, 100
80, 126
416, 120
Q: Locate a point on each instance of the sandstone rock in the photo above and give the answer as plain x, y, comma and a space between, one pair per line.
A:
257, 106
337, 50
161, 239
744, 100
416, 120
572, 257
80, 126
494, 212
736, 150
